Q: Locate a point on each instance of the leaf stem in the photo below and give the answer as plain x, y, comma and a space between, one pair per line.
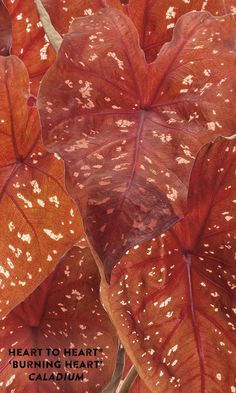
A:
128, 381
54, 37
114, 383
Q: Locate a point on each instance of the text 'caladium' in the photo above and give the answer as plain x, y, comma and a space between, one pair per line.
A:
129, 131
172, 298
64, 313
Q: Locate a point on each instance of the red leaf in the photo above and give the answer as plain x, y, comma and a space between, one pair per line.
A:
128, 130
39, 222
138, 385
31, 45
29, 41
5, 31
155, 22
173, 300
68, 315
71, 9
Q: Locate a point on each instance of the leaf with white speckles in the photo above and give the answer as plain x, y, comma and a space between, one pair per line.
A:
156, 20
5, 31
68, 315
154, 23
129, 131
173, 299
29, 41
39, 222
71, 9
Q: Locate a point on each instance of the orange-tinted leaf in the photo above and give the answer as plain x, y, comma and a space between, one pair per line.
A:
129, 131
29, 41
39, 222
156, 20
5, 31
63, 312
173, 300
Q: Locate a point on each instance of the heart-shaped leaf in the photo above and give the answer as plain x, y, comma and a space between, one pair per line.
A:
173, 299
129, 131
63, 313
39, 222
5, 31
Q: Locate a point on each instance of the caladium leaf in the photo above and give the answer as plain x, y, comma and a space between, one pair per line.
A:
155, 22
129, 131
173, 300
29, 41
5, 31
39, 222
68, 316
31, 44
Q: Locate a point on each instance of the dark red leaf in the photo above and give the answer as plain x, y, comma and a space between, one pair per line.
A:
5, 31
173, 299
29, 41
129, 131
63, 312
39, 222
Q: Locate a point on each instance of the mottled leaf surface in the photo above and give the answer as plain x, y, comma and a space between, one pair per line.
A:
172, 298
129, 131
63, 312
5, 31
156, 20
29, 41
39, 222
